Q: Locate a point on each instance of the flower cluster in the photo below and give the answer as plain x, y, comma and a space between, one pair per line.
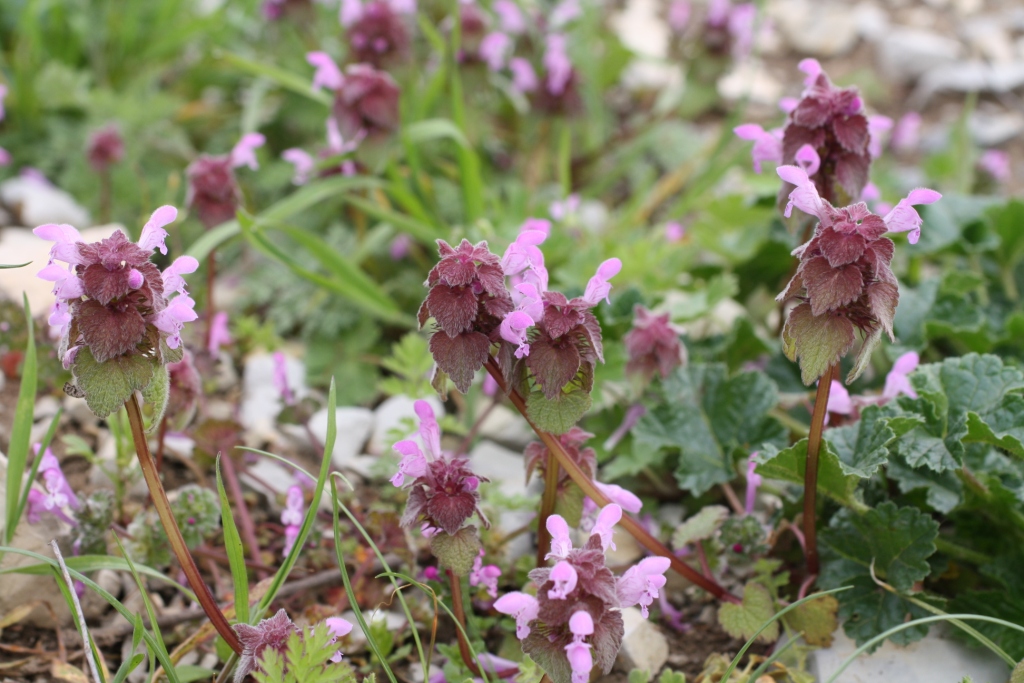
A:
377, 33
485, 575
291, 517
844, 281
365, 100
113, 304
105, 148
444, 492
58, 493
827, 134
574, 622
212, 187
652, 345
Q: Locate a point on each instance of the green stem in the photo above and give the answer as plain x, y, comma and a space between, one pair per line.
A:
1009, 283
547, 508
811, 472
959, 552
163, 508
595, 494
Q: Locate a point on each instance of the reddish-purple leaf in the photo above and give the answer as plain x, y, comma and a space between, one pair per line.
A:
841, 248
852, 132
829, 288
110, 331
872, 227
817, 341
795, 137
454, 308
560, 319
794, 288
492, 279
812, 112
852, 173
882, 298
460, 356
106, 285
554, 364
450, 511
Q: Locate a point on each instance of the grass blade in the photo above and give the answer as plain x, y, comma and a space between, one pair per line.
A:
21, 431
286, 79
68, 589
43, 445
233, 548
91, 563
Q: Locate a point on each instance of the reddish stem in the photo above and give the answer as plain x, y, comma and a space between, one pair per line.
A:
811, 472
455, 583
591, 491
548, 501
160, 436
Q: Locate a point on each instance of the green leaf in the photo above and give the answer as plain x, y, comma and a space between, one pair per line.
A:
109, 384
1002, 426
818, 341
700, 526
862, 447
155, 395
21, 430
790, 465
816, 619
559, 415
569, 504
435, 129
1002, 604
1017, 676
896, 541
5, 266
457, 552
301, 85
234, 550
743, 621
943, 490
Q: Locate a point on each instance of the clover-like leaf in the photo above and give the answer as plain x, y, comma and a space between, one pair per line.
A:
742, 621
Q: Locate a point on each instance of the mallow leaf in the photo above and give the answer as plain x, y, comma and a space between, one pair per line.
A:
790, 464
742, 621
862, 447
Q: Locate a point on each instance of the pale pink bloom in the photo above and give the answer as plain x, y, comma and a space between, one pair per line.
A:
172, 275
788, 104
400, 246
906, 134
674, 232
485, 575
877, 125
541, 224
812, 68
561, 544
767, 144
904, 218
577, 652
291, 534
327, 74
718, 12
805, 196
678, 15
413, 464
292, 514
495, 49
624, 498
66, 284
642, 582
350, 12
510, 17
302, 161
561, 210
490, 386
3, 96
219, 334
898, 381
839, 400
556, 61
281, 378
514, 329
598, 287
430, 431
339, 629
65, 238
5, 157
524, 253
996, 163
153, 233
428, 531
870, 193
524, 78
522, 606
604, 526
565, 578
173, 318
807, 158
741, 28
244, 153
753, 481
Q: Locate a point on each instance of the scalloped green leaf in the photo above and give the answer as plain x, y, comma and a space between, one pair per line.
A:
790, 464
108, 385
560, 414
457, 552
862, 447
743, 621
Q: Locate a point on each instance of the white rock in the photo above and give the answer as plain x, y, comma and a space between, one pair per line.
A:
356, 638
261, 400
989, 129
988, 37
644, 646
641, 30
507, 472
37, 202
820, 29
77, 410
969, 77
872, 21
750, 79
907, 53
46, 407
508, 427
106, 461
937, 658
18, 589
93, 604
354, 427
269, 477
390, 414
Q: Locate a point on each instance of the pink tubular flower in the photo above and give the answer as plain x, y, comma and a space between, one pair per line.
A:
327, 74
581, 661
741, 29
153, 233
556, 61
219, 334
429, 430
281, 378
173, 318
244, 152
641, 583
485, 575
494, 49
303, 162
754, 480
565, 208
907, 132
413, 464
291, 518
877, 125
564, 12
339, 629
807, 158
400, 246
510, 17
3, 95
172, 275
678, 15
805, 197
674, 232
604, 526
561, 544
5, 157
767, 144
839, 400
65, 238
58, 492
521, 606
350, 12
514, 329
524, 78
565, 578
598, 287
897, 381
903, 218
788, 104
524, 253
996, 163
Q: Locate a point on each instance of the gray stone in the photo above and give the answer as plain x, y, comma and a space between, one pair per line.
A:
508, 427
937, 658
968, 77
819, 29
261, 400
751, 79
390, 415
644, 646
989, 129
353, 428
36, 202
507, 472
907, 53
93, 605
269, 477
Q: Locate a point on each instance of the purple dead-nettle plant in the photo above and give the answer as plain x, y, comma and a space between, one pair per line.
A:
213, 191
119, 318
291, 517
273, 633
574, 622
653, 345
559, 91
844, 282
365, 99
57, 495
444, 494
105, 147
377, 31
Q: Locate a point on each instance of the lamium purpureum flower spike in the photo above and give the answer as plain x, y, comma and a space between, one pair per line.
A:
844, 282
119, 318
652, 345
376, 33
574, 623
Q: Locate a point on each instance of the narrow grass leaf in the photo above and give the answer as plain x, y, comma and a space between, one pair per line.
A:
235, 552
21, 430
301, 85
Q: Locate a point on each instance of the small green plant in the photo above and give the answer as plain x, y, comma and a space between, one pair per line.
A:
306, 659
